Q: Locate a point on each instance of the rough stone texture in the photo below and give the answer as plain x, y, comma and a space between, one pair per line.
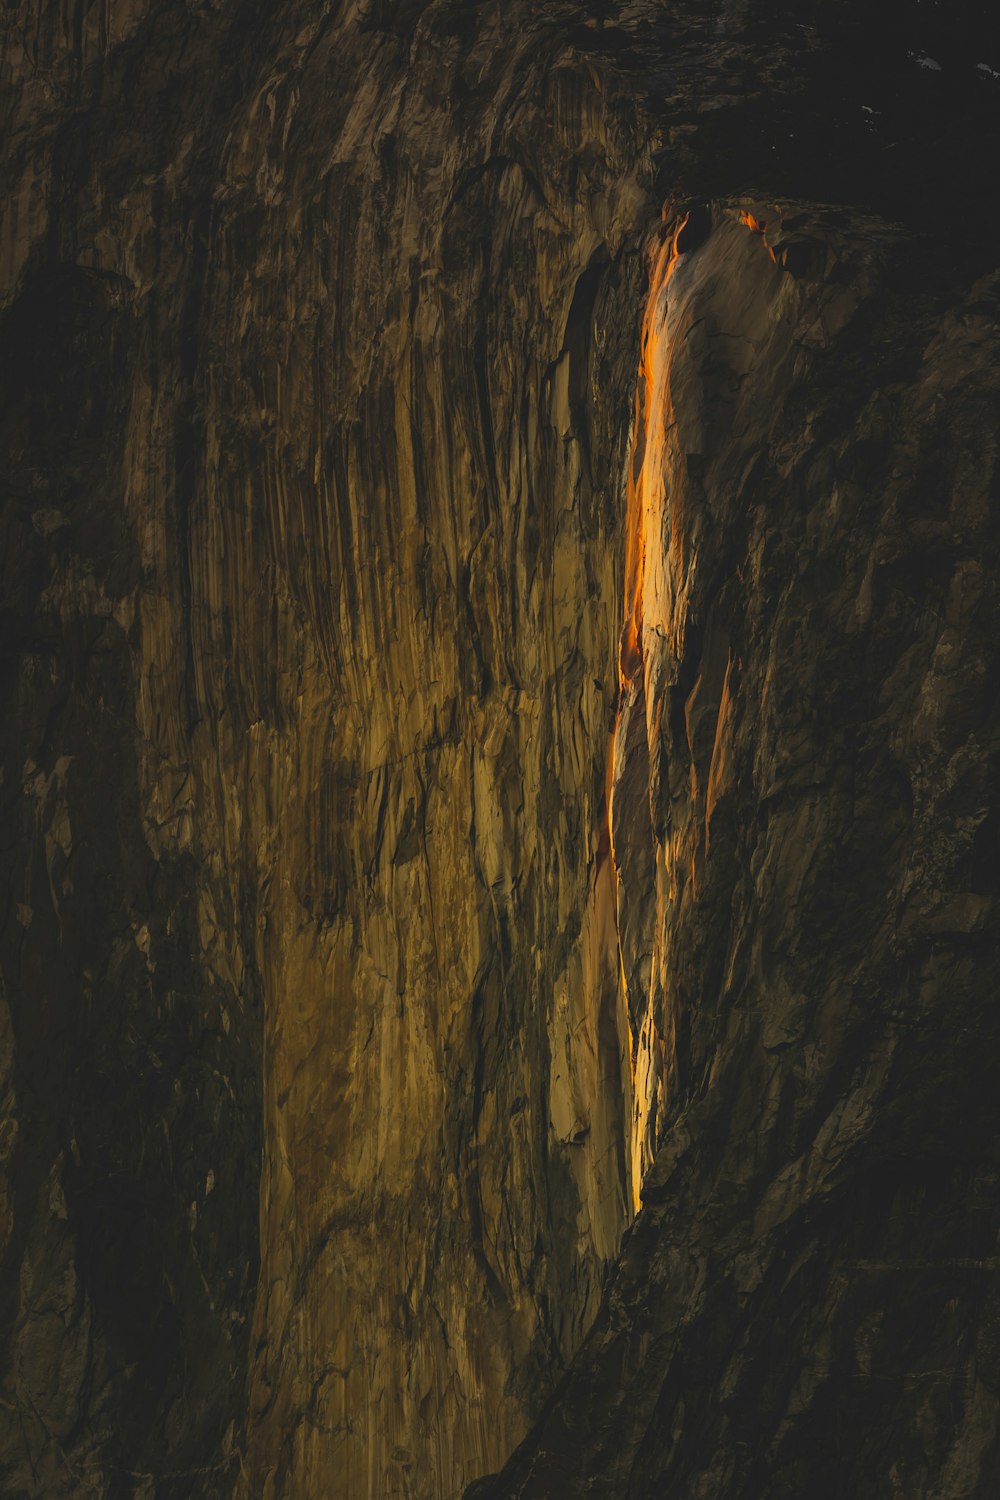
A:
328, 1089
320, 575
808, 1303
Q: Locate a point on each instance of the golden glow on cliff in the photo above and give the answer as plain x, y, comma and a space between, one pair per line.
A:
759, 227
644, 481
645, 520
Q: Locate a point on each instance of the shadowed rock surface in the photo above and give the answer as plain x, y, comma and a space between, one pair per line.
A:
808, 1301
336, 1048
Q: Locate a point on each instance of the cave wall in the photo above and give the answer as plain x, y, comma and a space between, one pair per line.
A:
329, 1089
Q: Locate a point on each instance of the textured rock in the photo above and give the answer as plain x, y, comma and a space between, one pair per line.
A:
807, 1301
347, 554
334, 1045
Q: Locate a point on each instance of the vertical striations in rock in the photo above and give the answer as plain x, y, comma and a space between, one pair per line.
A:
805, 1302
443, 1173
129, 1029
337, 1047
327, 315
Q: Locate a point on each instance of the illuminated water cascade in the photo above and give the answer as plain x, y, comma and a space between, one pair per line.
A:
645, 484
631, 831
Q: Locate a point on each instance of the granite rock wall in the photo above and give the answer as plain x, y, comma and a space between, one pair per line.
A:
807, 1300
373, 945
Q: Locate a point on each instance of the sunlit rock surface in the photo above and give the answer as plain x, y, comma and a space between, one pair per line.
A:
378, 931
807, 1301
316, 420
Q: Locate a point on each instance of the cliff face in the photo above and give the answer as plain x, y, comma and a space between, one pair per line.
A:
316, 526
807, 1302
498, 730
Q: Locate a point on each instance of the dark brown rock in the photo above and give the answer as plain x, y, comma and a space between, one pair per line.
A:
806, 1301
334, 1047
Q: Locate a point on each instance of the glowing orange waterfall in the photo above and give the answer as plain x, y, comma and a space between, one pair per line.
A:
645, 492
628, 769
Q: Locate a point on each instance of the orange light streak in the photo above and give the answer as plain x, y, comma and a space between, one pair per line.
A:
645, 500
759, 227
644, 480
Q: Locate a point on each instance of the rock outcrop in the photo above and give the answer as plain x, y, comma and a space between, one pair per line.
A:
498, 630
